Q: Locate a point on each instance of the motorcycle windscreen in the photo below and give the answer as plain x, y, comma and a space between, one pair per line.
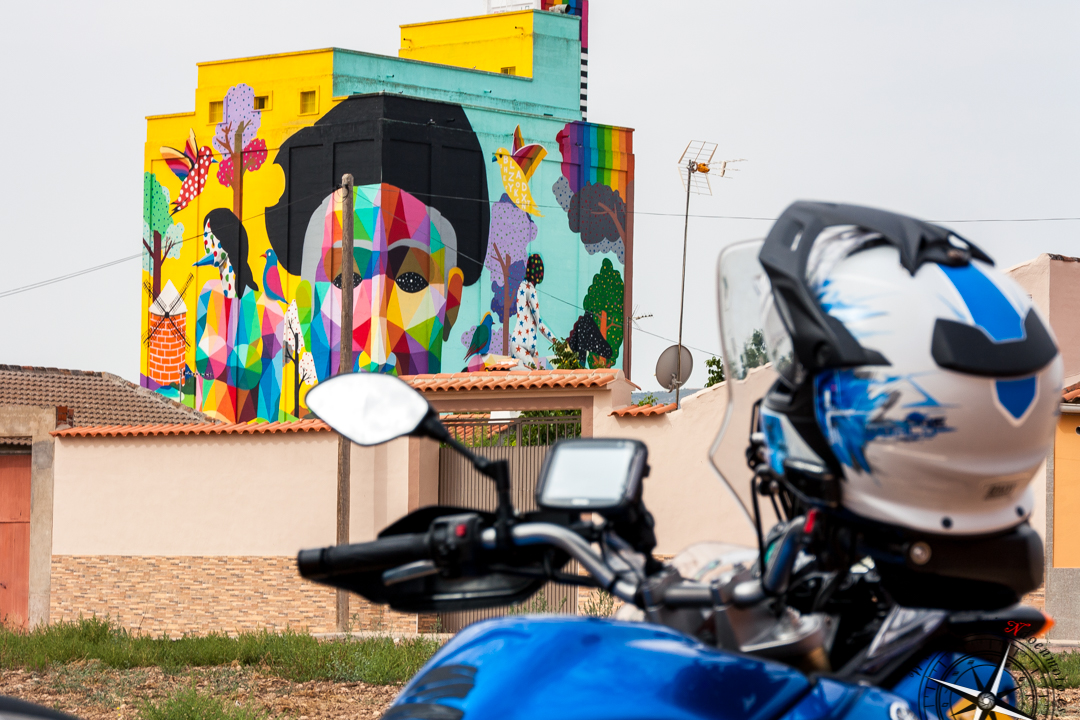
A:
756, 348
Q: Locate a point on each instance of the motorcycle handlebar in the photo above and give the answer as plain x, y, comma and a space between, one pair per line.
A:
384, 552
396, 550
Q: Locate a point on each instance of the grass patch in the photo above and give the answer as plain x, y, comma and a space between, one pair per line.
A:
1069, 664
291, 655
190, 705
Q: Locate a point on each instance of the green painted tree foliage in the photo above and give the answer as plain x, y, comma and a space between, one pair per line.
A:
160, 236
604, 301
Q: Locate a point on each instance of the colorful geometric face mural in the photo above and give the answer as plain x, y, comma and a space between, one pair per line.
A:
408, 288
465, 224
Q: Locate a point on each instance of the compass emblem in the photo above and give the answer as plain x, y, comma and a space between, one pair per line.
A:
992, 678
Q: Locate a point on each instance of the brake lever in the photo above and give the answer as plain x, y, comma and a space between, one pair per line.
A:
409, 571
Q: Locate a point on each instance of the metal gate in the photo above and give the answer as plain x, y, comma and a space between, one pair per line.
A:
15, 462
523, 442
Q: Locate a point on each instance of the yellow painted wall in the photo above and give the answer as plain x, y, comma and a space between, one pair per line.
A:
283, 77
484, 42
1067, 493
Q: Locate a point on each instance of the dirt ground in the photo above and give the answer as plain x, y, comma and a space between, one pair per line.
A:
92, 692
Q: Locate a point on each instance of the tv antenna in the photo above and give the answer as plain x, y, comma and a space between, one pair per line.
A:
695, 166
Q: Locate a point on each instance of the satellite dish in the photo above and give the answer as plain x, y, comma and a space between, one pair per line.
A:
668, 372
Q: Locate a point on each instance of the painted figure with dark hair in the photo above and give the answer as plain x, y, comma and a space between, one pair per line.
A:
528, 321
420, 223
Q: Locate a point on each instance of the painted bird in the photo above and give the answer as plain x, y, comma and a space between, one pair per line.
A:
272, 285
481, 339
191, 166
225, 241
517, 167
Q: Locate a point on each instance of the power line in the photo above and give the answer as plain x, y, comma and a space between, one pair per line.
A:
77, 273
84, 271
61, 278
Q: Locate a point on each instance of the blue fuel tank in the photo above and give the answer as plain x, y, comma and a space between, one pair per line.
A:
533, 667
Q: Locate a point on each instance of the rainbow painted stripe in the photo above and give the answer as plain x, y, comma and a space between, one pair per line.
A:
596, 155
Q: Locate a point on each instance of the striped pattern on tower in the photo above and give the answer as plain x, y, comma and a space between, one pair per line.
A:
584, 83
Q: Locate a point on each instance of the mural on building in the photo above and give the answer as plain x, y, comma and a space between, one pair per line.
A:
457, 242
593, 190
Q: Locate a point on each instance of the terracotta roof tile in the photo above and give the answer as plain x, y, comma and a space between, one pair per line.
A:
643, 410
94, 398
200, 429
444, 382
514, 380
1071, 392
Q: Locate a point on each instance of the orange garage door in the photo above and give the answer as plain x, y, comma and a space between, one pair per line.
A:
14, 540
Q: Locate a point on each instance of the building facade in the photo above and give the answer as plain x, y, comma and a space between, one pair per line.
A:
488, 216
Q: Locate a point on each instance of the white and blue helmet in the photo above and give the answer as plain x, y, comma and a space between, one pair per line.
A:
910, 368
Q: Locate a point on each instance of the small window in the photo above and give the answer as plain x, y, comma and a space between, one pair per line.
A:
262, 102
217, 111
512, 70
309, 102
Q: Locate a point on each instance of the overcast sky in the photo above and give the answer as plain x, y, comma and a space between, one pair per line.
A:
946, 111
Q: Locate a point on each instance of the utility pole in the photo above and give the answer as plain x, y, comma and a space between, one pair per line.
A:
698, 157
345, 365
691, 166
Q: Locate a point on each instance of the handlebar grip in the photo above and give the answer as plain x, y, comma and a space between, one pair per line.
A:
376, 555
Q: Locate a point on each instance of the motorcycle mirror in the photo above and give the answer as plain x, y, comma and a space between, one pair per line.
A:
369, 408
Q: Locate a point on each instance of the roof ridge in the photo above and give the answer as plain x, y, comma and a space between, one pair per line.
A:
43, 370
208, 428
158, 397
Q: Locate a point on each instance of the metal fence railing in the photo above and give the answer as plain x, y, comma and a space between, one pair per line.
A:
529, 429
523, 442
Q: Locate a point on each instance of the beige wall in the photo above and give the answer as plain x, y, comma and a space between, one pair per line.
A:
688, 501
198, 495
1053, 282
1064, 313
272, 494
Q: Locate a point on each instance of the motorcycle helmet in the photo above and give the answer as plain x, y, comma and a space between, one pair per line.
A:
918, 386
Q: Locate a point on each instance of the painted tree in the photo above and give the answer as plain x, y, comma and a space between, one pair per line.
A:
509, 236
236, 140
598, 213
161, 237
604, 302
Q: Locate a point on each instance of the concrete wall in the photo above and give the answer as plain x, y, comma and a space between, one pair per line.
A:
36, 423
1053, 282
688, 501
252, 495
214, 539
165, 545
